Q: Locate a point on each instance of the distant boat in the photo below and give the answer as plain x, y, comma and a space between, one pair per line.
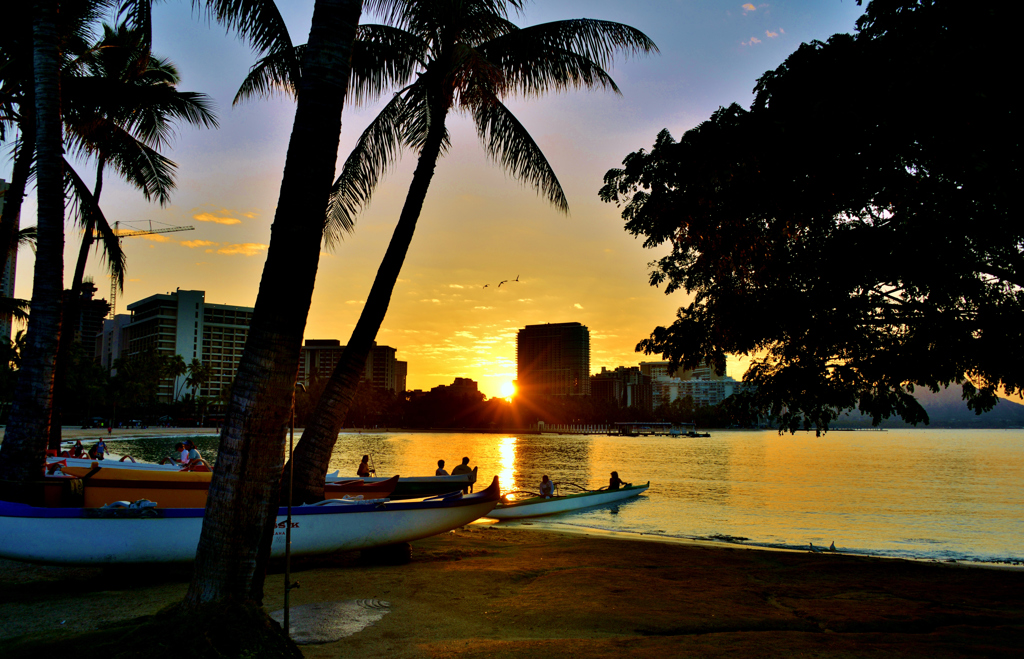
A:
117, 535
537, 506
419, 486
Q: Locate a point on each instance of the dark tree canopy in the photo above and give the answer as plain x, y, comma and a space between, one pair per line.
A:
852, 232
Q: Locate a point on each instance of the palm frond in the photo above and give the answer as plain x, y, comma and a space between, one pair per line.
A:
564, 54
419, 119
258, 21
26, 236
509, 143
86, 211
374, 154
275, 73
139, 164
383, 57
14, 307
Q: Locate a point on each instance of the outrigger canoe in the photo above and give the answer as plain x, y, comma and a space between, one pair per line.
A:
420, 486
186, 489
537, 506
119, 535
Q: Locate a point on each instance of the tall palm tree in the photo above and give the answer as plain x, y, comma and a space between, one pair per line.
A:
471, 58
241, 511
122, 107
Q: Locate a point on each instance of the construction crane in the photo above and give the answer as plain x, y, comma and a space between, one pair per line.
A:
130, 233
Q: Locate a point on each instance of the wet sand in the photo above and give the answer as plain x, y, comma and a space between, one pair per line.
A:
496, 591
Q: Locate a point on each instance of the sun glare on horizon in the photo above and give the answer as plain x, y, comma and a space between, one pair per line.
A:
508, 390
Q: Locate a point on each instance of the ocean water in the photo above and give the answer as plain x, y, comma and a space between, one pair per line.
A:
918, 493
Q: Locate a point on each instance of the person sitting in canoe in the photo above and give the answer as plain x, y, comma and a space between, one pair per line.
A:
547, 488
615, 482
463, 468
363, 470
181, 458
193, 452
440, 469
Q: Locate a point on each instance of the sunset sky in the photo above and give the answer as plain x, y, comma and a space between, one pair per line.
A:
478, 226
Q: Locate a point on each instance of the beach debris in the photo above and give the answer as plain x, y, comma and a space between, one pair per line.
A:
327, 622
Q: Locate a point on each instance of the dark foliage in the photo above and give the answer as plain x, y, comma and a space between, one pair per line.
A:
853, 231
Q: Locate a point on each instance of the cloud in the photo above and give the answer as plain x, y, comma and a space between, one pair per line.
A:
455, 286
245, 249
752, 41
578, 305
192, 244
771, 35
355, 301
483, 307
434, 300
157, 238
749, 7
222, 216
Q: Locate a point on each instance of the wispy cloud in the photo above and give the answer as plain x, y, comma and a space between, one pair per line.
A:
753, 40
749, 7
157, 238
355, 301
771, 35
223, 216
455, 286
578, 305
245, 249
433, 300
192, 244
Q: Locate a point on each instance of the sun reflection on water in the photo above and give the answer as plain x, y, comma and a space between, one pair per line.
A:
507, 475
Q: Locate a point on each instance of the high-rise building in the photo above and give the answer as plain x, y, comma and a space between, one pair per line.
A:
318, 358
553, 360
181, 323
626, 385
706, 387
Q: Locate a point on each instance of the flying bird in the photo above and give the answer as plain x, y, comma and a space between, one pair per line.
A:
517, 278
486, 285
504, 281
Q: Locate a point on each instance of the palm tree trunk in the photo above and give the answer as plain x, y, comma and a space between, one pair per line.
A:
69, 320
241, 511
21, 454
313, 453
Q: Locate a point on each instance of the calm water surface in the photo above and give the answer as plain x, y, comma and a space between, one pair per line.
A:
939, 494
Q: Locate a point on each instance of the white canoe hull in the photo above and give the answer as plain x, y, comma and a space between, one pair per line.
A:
76, 536
537, 506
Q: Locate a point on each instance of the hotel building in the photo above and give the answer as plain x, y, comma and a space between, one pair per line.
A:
553, 360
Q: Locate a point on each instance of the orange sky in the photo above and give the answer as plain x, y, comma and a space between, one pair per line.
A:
478, 226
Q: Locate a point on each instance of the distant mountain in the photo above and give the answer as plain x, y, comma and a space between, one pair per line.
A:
947, 409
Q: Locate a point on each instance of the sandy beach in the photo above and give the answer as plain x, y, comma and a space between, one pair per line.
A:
494, 591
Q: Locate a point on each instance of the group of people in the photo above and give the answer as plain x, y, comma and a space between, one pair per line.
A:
97, 451
458, 470
547, 486
185, 455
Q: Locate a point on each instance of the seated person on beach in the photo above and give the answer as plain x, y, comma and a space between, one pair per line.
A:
78, 451
193, 452
440, 469
363, 470
92, 453
615, 482
547, 488
463, 468
181, 456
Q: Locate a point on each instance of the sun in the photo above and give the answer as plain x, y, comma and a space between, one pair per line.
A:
508, 390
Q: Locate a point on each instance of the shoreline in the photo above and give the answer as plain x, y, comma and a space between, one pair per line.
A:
485, 591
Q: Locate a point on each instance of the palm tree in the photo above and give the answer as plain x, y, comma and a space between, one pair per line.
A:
472, 57
122, 105
241, 511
